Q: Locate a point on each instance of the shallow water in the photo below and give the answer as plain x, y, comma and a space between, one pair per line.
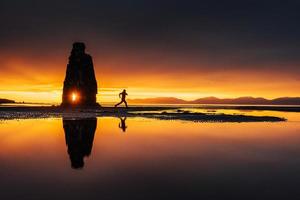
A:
150, 159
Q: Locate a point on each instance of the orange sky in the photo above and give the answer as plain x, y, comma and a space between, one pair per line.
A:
185, 49
41, 81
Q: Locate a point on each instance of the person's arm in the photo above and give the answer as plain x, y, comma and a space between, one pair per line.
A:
120, 95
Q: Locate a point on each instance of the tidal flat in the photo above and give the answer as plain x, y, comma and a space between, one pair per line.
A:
163, 113
147, 153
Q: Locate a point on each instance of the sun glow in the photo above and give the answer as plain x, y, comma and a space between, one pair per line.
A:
74, 97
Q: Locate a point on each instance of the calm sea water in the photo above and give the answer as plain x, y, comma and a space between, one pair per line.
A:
137, 158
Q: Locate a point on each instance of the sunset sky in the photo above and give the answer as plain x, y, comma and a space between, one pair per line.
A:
185, 49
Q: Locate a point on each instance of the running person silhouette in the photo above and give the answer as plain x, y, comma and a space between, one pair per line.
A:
122, 95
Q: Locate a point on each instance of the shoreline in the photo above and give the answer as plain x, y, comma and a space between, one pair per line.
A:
154, 107
161, 113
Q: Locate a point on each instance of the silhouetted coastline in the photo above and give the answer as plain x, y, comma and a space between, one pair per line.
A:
7, 113
6, 101
214, 100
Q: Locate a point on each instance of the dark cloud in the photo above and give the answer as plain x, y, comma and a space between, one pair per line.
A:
241, 34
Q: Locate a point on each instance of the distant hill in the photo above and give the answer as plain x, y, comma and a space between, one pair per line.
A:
240, 100
215, 100
6, 101
159, 100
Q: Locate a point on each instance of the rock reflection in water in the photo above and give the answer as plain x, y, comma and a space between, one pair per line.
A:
79, 135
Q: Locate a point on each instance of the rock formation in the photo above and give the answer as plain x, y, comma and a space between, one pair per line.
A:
80, 85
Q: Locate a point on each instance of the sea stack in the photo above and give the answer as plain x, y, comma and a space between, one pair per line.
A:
80, 85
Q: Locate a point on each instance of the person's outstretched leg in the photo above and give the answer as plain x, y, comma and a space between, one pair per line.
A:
118, 104
126, 103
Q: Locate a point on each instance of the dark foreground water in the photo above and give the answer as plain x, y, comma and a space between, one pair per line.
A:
137, 158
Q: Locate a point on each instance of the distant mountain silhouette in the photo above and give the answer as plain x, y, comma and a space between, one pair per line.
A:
240, 100
6, 101
159, 100
215, 100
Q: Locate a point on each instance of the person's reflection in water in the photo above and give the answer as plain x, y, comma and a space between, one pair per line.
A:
79, 135
122, 124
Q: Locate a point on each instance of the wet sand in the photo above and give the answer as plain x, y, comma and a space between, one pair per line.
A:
163, 113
